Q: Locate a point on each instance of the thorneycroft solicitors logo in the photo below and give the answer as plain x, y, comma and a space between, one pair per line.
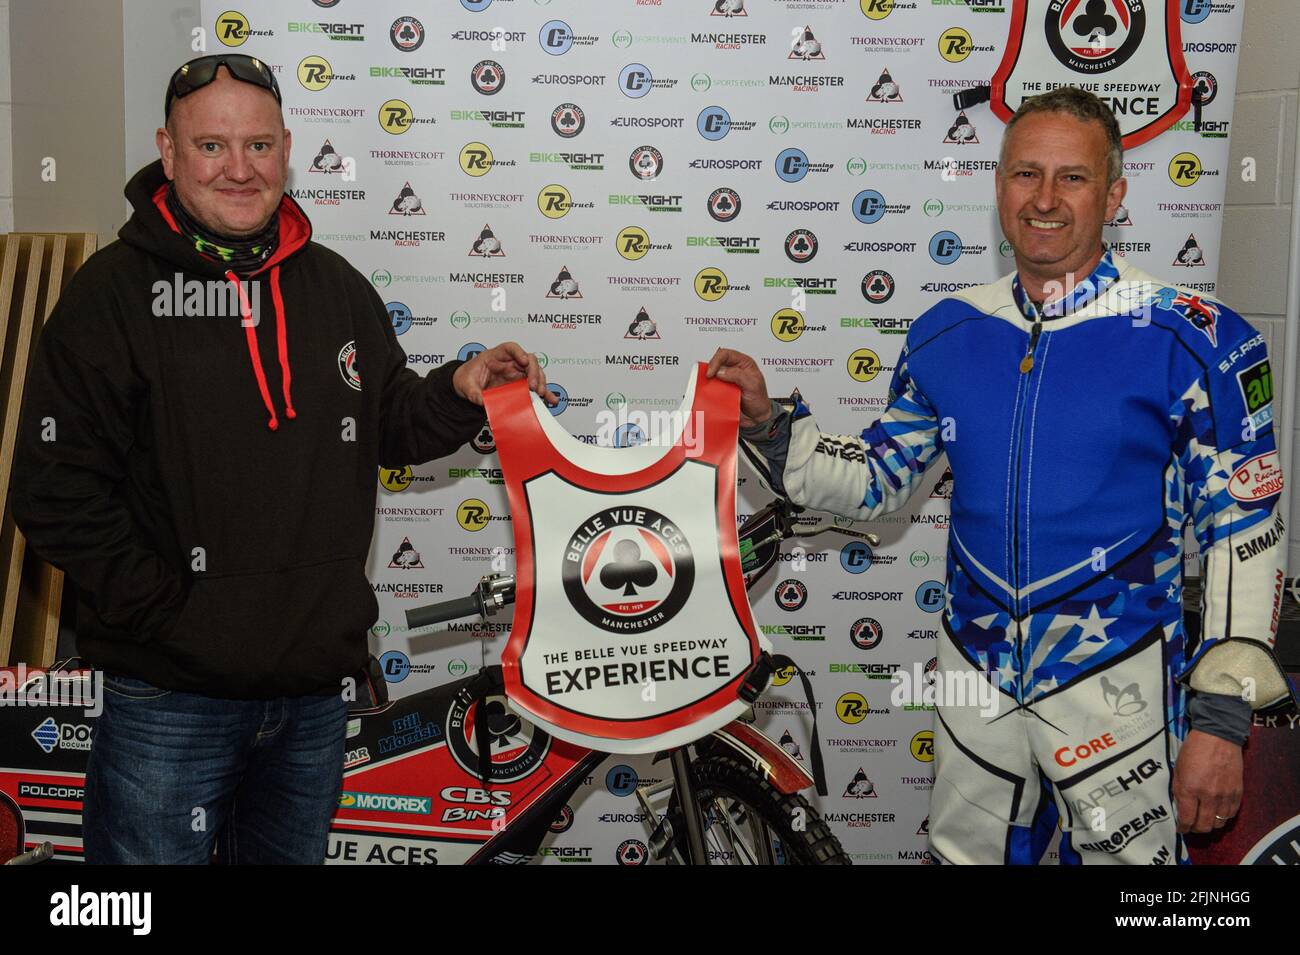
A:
628, 570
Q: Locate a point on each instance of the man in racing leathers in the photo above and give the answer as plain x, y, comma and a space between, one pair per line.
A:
1088, 412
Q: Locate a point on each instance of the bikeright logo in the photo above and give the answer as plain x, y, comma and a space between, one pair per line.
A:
207, 298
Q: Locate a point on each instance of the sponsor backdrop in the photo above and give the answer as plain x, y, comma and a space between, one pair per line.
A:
623, 187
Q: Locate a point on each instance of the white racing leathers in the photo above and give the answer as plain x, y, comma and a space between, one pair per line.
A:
1081, 441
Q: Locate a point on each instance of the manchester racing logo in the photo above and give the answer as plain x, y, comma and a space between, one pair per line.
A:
628, 569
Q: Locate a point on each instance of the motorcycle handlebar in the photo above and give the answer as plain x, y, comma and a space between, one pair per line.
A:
427, 616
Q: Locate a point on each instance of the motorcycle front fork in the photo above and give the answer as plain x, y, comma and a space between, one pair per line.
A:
683, 784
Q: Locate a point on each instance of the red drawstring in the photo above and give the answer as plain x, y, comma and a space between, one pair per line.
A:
282, 342
254, 354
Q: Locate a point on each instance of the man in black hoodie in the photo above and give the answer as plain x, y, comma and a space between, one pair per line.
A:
214, 507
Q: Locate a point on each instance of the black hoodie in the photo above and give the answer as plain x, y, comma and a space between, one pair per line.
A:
209, 483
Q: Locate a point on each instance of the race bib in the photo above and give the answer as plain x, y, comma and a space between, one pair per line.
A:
632, 628
1128, 52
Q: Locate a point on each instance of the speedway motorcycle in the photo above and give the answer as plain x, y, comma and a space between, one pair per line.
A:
733, 797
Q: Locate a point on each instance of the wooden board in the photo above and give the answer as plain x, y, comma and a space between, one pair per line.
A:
36, 622
8, 272
22, 318
33, 636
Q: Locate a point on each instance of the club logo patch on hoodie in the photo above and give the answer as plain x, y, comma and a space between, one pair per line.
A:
348, 365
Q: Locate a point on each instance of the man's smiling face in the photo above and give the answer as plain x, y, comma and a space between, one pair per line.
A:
227, 151
1054, 197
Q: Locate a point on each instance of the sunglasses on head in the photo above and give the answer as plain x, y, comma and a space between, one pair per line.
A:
197, 74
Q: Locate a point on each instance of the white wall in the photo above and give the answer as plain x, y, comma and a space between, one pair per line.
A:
6, 127
1257, 215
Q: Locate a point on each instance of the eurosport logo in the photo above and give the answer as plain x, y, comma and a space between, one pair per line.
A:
930, 596
855, 557
945, 247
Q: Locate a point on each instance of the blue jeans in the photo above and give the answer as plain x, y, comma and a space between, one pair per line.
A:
169, 772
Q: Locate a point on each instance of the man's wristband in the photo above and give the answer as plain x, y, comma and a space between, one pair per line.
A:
766, 430
1221, 715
